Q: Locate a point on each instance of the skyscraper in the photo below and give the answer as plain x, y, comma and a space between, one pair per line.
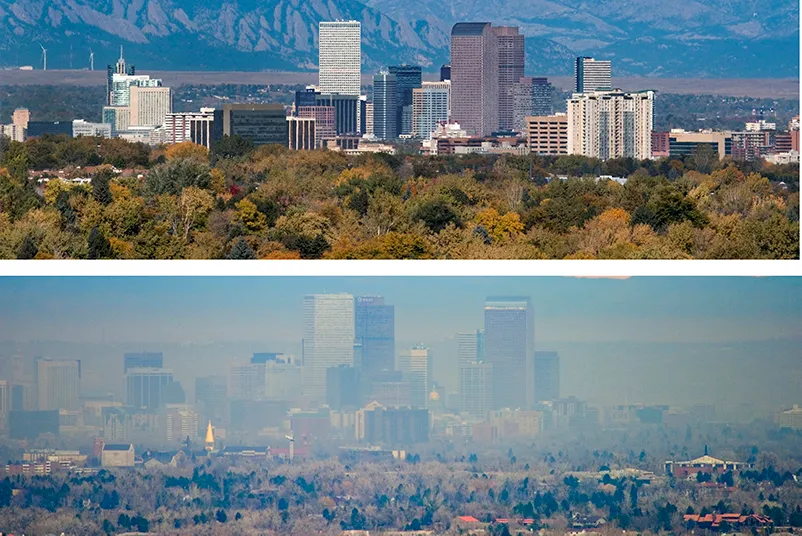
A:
445, 72
374, 330
416, 367
385, 93
119, 69
328, 339
542, 95
547, 376
151, 388
247, 380
476, 389
509, 347
608, 124
408, 77
470, 347
431, 104
142, 360
592, 75
510, 71
58, 384
211, 400
474, 77
340, 56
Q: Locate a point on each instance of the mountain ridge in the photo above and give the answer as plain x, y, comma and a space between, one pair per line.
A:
704, 38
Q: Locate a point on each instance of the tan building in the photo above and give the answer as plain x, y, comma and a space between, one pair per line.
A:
116, 455
547, 135
682, 143
792, 418
611, 124
58, 384
21, 117
150, 105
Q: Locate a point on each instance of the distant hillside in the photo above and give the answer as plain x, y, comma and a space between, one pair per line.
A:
702, 38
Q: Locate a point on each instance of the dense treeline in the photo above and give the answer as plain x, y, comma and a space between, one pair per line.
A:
243, 202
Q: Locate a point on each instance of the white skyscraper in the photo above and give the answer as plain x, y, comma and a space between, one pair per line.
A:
592, 75
58, 384
415, 365
340, 56
431, 104
328, 339
611, 124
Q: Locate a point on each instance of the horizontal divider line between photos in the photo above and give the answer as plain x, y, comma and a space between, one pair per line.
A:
396, 268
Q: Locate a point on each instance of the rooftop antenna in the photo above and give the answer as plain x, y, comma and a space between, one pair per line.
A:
121, 52
91, 60
44, 57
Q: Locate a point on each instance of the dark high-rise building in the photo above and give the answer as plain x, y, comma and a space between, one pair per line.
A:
509, 347
396, 426
142, 360
445, 72
408, 77
474, 77
385, 126
342, 388
152, 388
306, 97
211, 401
547, 376
542, 97
374, 331
346, 109
260, 123
510, 71
32, 424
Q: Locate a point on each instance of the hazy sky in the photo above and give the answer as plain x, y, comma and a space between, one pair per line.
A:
202, 309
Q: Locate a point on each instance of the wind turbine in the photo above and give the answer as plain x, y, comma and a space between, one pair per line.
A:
44, 57
291, 439
91, 60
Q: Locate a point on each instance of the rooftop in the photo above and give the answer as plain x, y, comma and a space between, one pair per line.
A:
468, 28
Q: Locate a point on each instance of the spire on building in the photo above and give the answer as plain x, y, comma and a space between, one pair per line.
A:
209, 437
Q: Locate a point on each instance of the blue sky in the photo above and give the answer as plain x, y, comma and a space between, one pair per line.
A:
182, 309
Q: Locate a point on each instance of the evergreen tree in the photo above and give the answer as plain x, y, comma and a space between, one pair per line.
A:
27, 249
241, 250
98, 244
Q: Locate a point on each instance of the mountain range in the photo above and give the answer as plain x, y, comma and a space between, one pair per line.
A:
686, 38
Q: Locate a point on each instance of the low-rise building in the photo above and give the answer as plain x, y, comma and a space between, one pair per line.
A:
117, 455
547, 135
704, 464
792, 418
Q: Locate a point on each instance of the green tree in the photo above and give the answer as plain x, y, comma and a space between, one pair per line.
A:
98, 245
100, 186
241, 251
28, 248
437, 214
221, 516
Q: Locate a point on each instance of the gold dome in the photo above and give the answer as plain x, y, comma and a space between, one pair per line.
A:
434, 396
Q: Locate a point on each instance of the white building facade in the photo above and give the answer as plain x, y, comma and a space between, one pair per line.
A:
340, 57
611, 124
328, 339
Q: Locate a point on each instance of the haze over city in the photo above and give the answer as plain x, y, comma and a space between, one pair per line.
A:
653, 340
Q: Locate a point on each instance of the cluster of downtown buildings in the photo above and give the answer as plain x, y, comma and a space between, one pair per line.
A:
351, 383
482, 103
